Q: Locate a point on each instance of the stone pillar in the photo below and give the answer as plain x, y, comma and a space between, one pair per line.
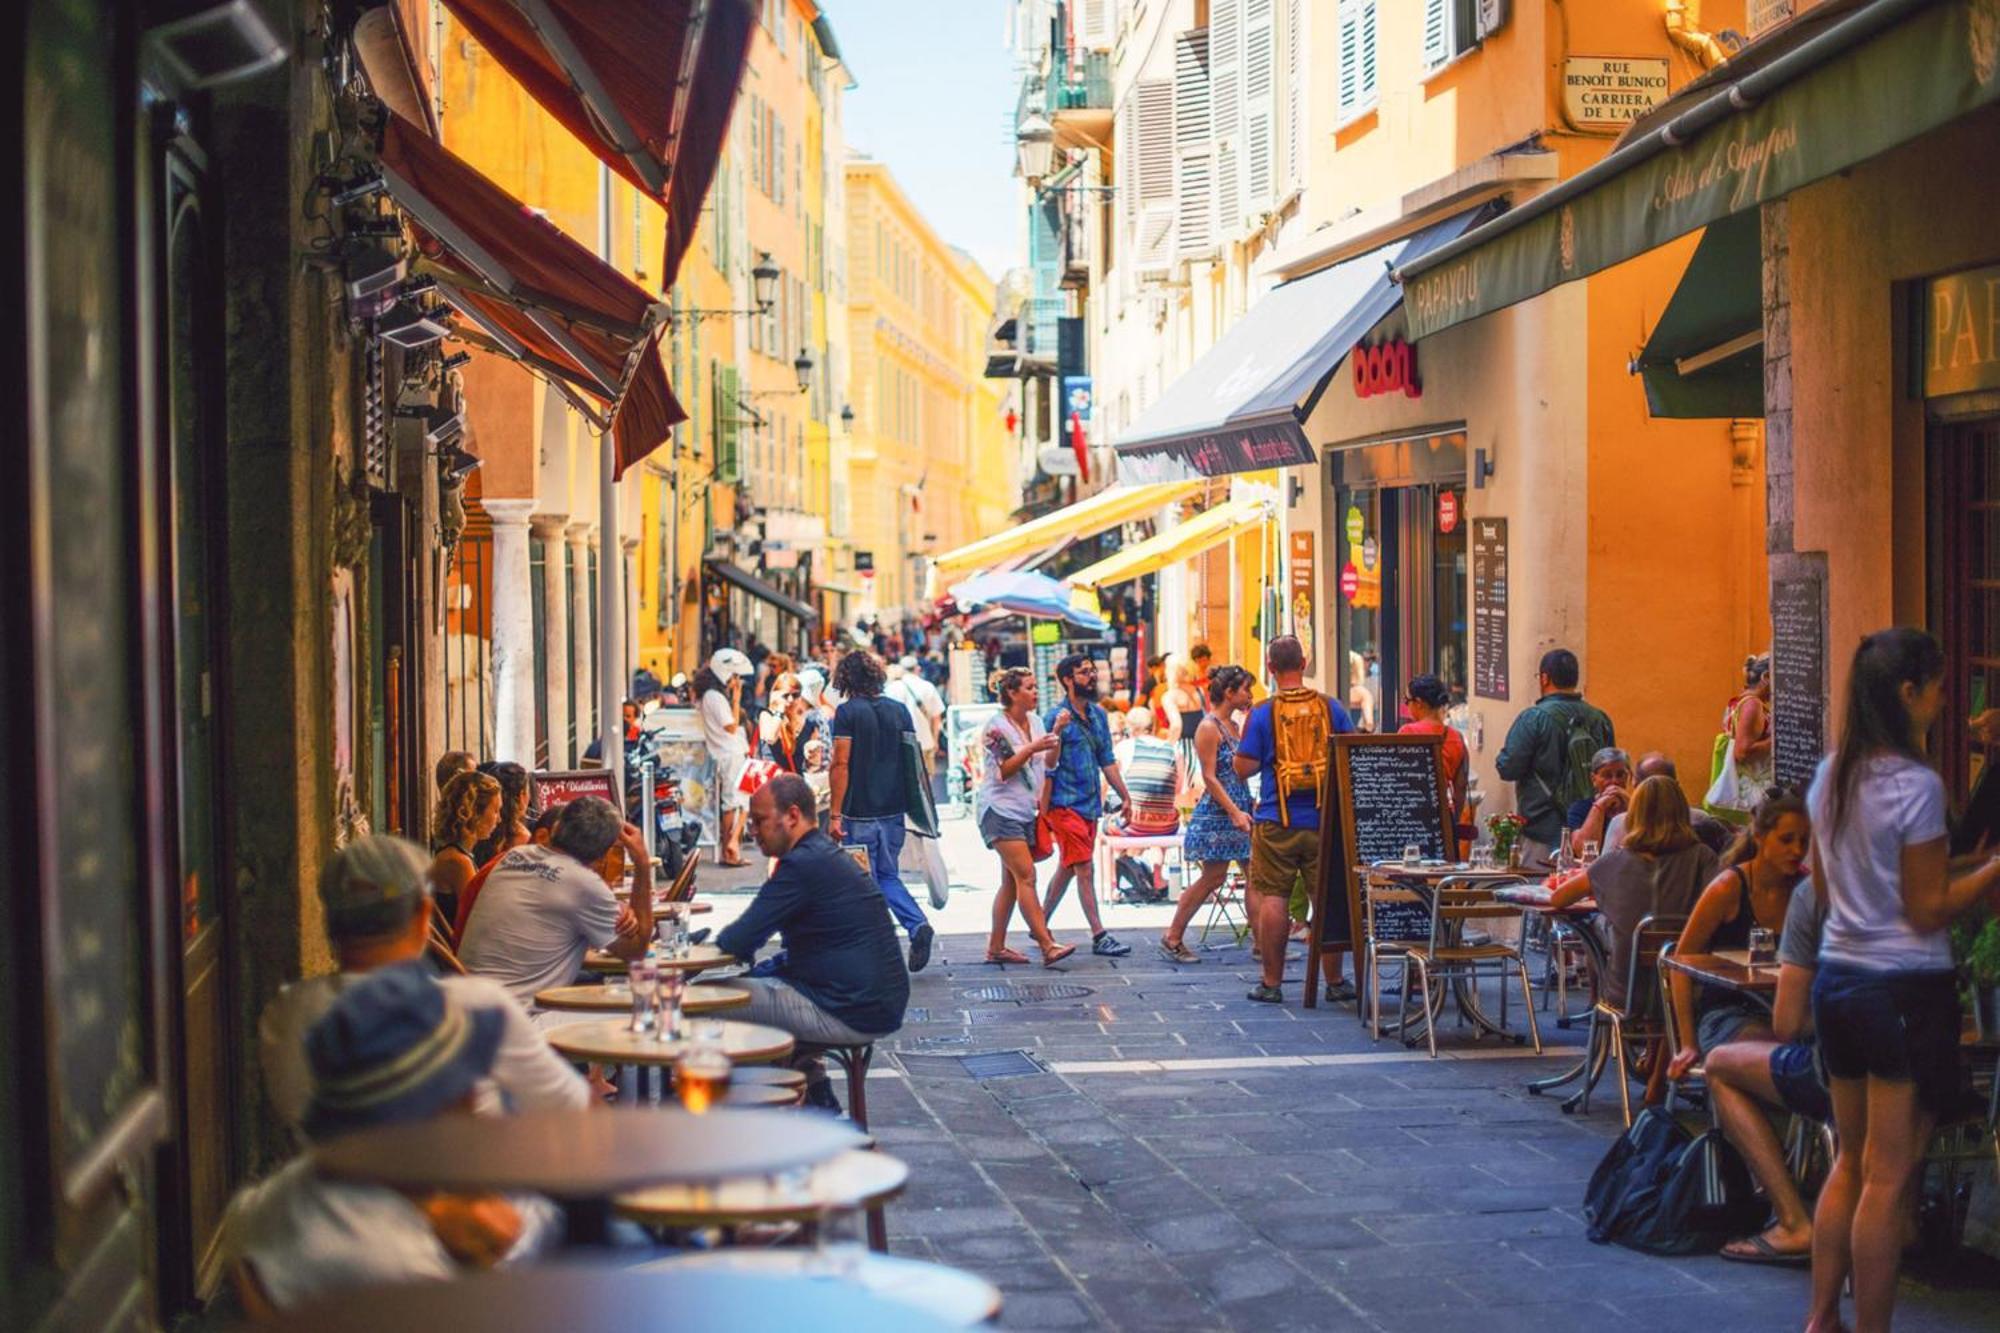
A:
513, 647
583, 646
549, 531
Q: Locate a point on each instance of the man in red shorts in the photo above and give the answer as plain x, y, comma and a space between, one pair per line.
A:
1076, 800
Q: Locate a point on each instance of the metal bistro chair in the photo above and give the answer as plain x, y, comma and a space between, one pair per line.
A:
1378, 952
1446, 958
1225, 909
1640, 1020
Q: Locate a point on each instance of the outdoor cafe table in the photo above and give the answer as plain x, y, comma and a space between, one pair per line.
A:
855, 1179
700, 998
1426, 877
611, 1041
1574, 921
962, 1299
699, 958
1729, 970
582, 1298
582, 1158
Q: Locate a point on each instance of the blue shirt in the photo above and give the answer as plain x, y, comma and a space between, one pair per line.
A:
1259, 744
1086, 752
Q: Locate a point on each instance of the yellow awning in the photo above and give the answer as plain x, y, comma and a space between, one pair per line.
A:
1085, 518
1191, 538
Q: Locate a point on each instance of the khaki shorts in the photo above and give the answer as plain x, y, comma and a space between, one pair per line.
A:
1280, 856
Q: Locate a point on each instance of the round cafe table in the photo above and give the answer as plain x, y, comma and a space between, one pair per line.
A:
700, 958
594, 1299
697, 907
959, 1298
854, 1179
583, 1157
611, 1041
700, 998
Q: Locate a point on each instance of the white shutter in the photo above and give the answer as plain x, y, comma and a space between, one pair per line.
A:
1225, 83
1349, 98
1127, 139
1155, 169
1193, 147
1294, 176
1367, 53
1098, 19
1259, 107
1437, 32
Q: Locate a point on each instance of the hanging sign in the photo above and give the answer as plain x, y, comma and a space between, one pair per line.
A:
1607, 93
1356, 525
1302, 586
1447, 511
1388, 367
1962, 349
1350, 580
1370, 552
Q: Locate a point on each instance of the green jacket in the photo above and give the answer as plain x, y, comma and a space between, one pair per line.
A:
1534, 758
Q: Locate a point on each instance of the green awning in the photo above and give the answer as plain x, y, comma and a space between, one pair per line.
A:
1706, 355
1866, 78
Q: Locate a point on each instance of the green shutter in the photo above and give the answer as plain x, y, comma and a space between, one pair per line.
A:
728, 465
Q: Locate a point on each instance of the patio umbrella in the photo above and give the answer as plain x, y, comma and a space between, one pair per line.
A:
1026, 593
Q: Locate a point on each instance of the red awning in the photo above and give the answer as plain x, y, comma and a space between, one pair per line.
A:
538, 295
646, 87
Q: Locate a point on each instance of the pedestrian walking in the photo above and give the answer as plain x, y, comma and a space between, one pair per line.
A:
1083, 764
1014, 753
1548, 752
1218, 832
869, 797
1181, 704
1885, 1000
1285, 743
719, 686
1743, 764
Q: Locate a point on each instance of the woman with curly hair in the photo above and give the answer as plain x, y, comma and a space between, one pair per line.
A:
468, 810
512, 830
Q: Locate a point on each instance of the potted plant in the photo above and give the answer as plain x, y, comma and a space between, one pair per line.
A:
1976, 945
1506, 831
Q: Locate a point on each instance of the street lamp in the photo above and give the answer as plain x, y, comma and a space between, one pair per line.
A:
804, 366
764, 282
1035, 144
847, 417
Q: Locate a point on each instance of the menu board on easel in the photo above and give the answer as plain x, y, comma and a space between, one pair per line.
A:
1389, 794
1798, 674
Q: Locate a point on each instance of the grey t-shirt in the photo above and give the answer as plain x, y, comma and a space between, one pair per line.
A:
540, 910
1804, 920
1630, 887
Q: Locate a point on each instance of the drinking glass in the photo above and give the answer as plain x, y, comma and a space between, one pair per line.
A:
672, 987
670, 929
1482, 856
838, 1245
1413, 853
1763, 945
1590, 850
701, 1077
644, 980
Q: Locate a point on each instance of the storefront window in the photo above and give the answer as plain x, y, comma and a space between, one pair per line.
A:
1966, 585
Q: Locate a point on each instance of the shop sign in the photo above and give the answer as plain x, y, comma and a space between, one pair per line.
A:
1370, 552
1610, 92
1447, 511
1350, 580
1387, 367
1045, 631
1962, 343
1302, 586
864, 562
1356, 525
1762, 14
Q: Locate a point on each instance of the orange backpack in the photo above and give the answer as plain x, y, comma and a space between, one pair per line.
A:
1300, 732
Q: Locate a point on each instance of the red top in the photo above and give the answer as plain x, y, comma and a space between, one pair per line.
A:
1454, 757
470, 895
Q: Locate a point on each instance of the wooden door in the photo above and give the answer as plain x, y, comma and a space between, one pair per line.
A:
1965, 585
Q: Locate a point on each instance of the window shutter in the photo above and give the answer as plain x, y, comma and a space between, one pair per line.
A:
1156, 140
1368, 54
1128, 158
1295, 96
1437, 32
728, 466
1225, 91
1097, 16
1193, 147
756, 141
1259, 107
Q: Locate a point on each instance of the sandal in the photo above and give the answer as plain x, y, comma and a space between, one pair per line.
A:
1760, 1250
1050, 957
1178, 952
1004, 955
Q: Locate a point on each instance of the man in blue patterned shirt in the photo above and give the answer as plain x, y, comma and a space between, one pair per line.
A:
1076, 793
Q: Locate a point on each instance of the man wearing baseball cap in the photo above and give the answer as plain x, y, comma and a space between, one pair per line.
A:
377, 909
394, 1048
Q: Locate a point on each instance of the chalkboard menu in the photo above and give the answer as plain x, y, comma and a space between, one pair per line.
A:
1389, 793
1489, 608
1798, 676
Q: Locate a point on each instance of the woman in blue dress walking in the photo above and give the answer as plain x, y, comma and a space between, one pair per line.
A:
1218, 831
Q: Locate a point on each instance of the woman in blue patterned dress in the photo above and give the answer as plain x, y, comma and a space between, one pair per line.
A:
1218, 831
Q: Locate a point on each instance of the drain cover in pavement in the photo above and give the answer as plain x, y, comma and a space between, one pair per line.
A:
991, 1064
1030, 990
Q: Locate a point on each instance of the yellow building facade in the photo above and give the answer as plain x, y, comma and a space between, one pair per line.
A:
929, 464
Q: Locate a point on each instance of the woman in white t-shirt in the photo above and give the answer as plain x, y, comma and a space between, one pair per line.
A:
719, 688
1014, 756
1884, 1000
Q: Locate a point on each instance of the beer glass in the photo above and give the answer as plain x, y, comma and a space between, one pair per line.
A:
701, 1077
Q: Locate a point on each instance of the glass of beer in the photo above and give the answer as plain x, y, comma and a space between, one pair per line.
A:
701, 1077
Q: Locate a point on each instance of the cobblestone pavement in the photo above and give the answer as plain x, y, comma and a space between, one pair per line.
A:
1180, 1158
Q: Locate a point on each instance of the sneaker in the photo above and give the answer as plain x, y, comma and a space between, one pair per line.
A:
1267, 995
1107, 946
920, 948
1340, 992
1178, 953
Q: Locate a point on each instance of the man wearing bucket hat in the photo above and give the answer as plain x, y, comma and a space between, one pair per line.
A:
377, 910
394, 1048
718, 690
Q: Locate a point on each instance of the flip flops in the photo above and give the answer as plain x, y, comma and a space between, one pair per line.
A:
1763, 1251
1050, 957
1005, 956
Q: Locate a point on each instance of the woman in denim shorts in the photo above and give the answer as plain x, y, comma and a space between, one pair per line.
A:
1884, 1001
1014, 755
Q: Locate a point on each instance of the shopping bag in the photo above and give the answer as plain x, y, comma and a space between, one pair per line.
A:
919, 807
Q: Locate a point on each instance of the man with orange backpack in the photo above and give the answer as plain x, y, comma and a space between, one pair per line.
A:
1285, 741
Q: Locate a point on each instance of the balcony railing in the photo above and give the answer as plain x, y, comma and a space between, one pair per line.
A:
1080, 81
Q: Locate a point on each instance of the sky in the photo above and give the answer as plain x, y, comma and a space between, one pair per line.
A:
935, 101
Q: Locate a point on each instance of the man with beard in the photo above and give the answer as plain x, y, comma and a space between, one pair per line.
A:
1076, 793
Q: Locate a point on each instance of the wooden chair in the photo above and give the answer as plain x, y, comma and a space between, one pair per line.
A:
439, 946
1446, 957
1640, 1020
682, 889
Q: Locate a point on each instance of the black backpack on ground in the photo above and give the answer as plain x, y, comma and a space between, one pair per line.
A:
1661, 1190
1135, 881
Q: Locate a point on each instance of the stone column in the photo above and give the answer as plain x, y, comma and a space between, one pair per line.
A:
513, 645
549, 531
583, 647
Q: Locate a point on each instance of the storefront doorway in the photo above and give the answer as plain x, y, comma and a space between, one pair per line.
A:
1400, 570
1964, 467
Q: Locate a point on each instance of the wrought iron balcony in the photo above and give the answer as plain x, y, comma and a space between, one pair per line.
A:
1080, 81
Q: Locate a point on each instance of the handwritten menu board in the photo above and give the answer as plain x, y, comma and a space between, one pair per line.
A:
1489, 608
1389, 793
1798, 676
